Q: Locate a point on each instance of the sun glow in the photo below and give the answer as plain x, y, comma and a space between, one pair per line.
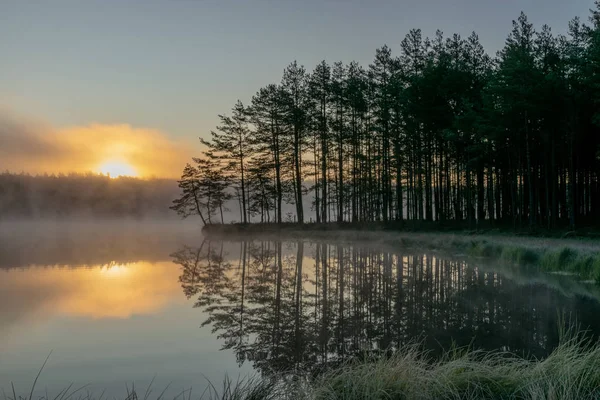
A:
115, 271
115, 169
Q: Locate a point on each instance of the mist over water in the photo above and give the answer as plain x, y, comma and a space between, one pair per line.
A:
90, 196
119, 301
79, 242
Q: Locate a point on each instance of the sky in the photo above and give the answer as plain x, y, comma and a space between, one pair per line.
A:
117, 83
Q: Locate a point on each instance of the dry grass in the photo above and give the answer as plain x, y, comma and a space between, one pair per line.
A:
571, 371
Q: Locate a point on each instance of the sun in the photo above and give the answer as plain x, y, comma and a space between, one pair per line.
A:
115, 169
114, 271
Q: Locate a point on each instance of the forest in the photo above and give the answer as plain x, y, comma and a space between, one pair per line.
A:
83, 195
438, 131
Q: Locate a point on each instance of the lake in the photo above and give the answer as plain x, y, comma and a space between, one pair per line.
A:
128, 302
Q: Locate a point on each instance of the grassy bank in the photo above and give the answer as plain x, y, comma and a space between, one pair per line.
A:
563, 259
571, 372
574, 256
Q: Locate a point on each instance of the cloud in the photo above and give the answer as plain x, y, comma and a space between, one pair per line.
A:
27, 145
19, 135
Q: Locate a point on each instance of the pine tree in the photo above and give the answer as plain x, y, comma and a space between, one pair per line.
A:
191, 201
267, 113
203, 190
320, 92
295, 99
231, 143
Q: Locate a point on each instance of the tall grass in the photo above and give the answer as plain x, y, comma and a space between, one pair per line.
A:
571, 371
249, 388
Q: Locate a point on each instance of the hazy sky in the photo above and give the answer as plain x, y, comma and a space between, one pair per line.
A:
172, 66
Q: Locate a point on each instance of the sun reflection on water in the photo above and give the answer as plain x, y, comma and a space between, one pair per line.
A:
112, 291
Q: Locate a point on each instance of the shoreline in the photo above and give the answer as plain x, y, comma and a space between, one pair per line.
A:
573, 255
398, 227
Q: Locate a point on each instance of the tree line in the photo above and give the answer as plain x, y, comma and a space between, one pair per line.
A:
83, 195
440, 131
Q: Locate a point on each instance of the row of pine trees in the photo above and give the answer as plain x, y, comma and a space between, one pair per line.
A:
439, 131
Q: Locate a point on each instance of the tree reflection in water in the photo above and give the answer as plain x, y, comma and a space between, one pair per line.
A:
302, 306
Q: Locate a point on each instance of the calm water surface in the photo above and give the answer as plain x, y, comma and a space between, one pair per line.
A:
122, 302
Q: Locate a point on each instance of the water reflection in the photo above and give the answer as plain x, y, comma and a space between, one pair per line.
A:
107, 300
299, 305
114, 312
116, 291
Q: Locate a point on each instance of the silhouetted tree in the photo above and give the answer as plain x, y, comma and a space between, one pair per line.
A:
231, 142
295, 100
191, 201
203, 190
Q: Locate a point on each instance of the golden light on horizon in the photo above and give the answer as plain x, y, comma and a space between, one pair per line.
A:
36, 147
114, 271
114, 169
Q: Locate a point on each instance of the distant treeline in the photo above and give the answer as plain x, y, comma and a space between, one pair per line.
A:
440, 132
81, 243
84, 195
